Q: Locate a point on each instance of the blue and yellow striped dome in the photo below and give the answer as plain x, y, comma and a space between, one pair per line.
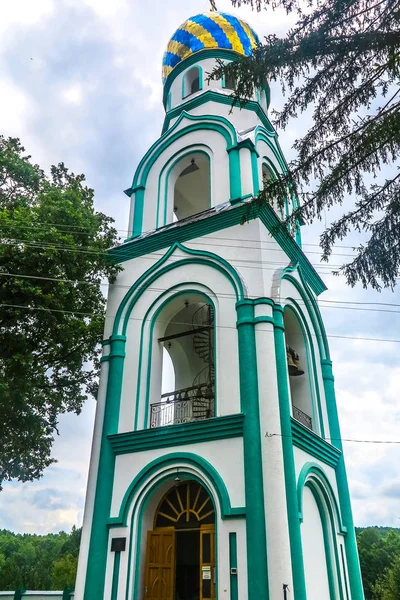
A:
208, 30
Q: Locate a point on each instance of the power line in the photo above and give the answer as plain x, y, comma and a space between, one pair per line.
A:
313, 335
393, 442
321, 303
126, 231
154, 254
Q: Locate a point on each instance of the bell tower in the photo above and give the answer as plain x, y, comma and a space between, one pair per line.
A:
217, 469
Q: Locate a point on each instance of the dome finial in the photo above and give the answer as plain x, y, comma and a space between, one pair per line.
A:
213, 6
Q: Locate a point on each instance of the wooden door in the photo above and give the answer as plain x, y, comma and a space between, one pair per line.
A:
160, 565
207, 563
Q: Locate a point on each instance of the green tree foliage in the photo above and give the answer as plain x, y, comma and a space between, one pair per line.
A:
64, 572
342, 58
38, 562
52, 263
388, 586
379, 551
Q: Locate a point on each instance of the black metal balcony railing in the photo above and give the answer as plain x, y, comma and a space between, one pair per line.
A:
194, 403
300, 416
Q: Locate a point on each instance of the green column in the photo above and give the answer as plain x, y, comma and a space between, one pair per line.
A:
97, 557
234, 174
255, 513
296, 550
353, 564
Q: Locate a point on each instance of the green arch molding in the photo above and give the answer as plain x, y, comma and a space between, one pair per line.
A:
311, 306
213, 96
153, 321
262, 134
171, 460
200, 72
312, 372
274, 173
201, 122
194, 257
321, 482
328, 532
194, 59
144, 502
314, 477
193, 149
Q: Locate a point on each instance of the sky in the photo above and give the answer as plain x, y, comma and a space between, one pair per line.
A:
80, 82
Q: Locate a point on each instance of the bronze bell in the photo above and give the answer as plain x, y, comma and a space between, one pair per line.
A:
293, 362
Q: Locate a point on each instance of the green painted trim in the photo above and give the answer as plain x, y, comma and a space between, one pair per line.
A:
115, 577
212, 96
175, 459
312, 368
139, 554
257, 564
296, 550
217, 222
194, 59
234, 595
262, 134
271, 221
314, 477
199, 122
320, 480
313, 444
267, 162
344, 573
170, 298
217, 428
200, 71
98, 546
311, 306
195, 257
235, 179
254, 172
178, 156
327, 546
169, 101
254, 320
353, 564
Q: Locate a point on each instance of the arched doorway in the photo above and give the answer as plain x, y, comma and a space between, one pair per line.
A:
180, 556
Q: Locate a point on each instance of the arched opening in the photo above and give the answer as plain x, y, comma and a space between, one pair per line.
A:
192, 82
299, 370
186, 332
268, 177
180, 556
315, 537
192, 191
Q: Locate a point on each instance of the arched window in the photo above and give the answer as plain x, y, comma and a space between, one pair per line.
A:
299, 369
192, 193
185, 331
268, 176
192, 82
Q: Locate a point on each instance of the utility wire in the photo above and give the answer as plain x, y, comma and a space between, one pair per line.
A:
393, 442
60, 229
154, 254
88, 314
321, 303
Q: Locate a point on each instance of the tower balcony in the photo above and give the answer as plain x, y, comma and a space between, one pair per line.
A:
302, 417
194, 403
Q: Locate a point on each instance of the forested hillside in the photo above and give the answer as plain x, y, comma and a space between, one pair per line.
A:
48, 562
38, 562
379, 551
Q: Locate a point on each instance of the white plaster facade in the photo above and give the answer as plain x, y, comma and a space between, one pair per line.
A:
237, 268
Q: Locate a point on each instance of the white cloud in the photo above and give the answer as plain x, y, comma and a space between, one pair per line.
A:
73, 94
